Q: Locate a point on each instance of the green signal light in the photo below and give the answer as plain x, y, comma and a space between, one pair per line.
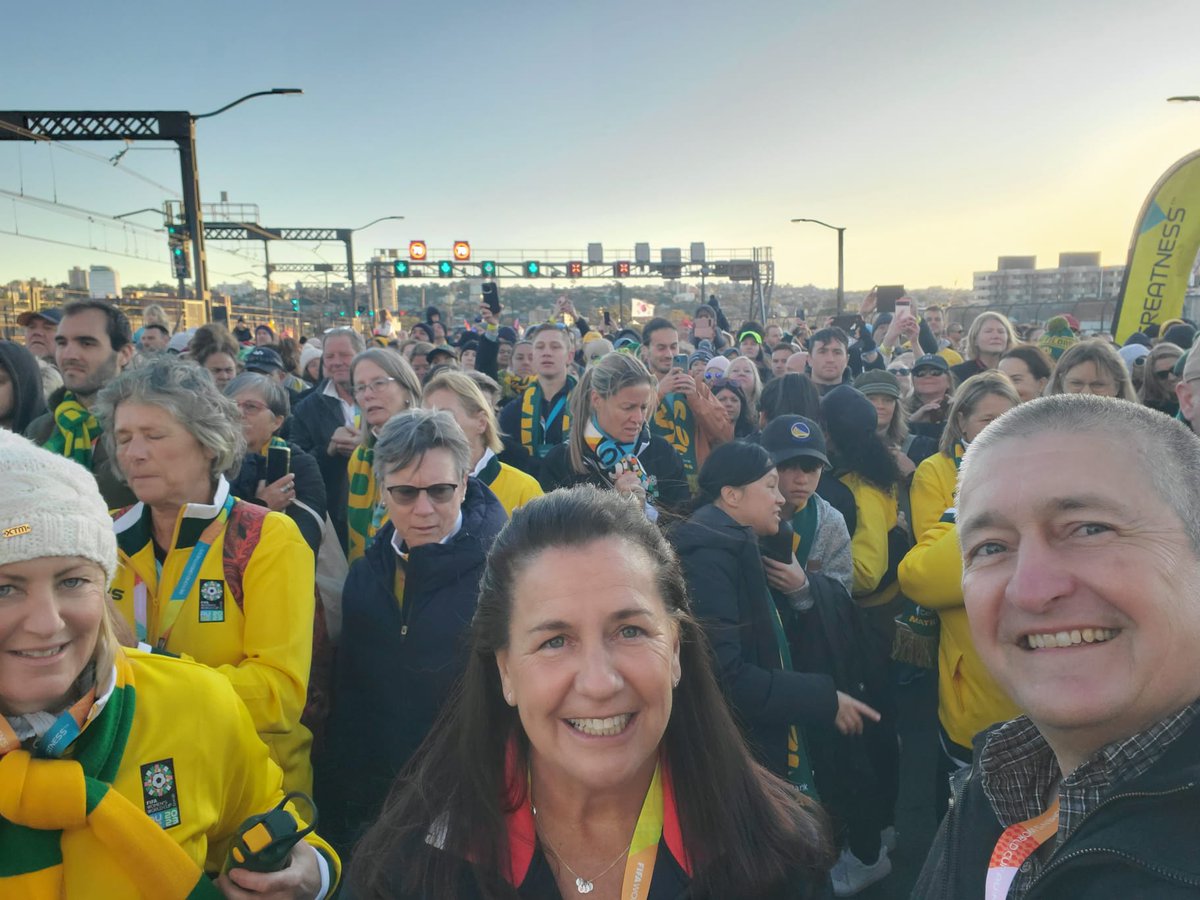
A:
445, 268
402, 267
533, 268
488, 267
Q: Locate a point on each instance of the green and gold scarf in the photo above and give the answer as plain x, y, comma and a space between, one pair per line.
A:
53, 809
362, 519
533, 427
675, 423
76, 431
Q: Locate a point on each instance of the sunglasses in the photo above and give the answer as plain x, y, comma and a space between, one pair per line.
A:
901, 371
1164, 374
406, 494
925, 373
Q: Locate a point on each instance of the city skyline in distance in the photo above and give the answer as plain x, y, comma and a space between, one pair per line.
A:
939, 137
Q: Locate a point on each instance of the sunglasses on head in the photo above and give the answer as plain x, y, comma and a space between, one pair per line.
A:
406, 494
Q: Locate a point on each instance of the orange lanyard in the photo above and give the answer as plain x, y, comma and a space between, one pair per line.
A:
1017, 844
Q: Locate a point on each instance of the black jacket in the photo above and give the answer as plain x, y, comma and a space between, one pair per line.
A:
313, 422
116, 493
308, 507
658, 459
730, 597
1139, 842
397, 663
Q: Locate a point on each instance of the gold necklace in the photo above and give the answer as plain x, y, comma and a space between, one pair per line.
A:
583, 885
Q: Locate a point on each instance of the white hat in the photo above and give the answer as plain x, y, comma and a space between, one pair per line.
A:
1132, 353
307, 355
180, 340
51, 506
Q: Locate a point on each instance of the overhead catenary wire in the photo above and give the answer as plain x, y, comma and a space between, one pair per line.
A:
87, 154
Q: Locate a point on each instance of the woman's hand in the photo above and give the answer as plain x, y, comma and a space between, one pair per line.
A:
925, 412
299, 881
850, 714
903, 463
629, 483
487, 316
343, 441
787, 577
279, 494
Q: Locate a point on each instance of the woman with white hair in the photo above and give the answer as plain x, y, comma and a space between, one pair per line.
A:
123, 774
226, 582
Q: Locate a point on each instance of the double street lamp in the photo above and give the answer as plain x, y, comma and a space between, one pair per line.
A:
841, 232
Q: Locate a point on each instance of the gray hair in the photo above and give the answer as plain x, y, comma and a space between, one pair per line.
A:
406, 437
1169, 452
274, 394
356, 339
185, 392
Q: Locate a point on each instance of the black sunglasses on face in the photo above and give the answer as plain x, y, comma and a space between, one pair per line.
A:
1164, 374
901, 371
406, 494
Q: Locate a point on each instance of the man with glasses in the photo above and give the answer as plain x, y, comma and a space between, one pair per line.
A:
406, 610
325, 423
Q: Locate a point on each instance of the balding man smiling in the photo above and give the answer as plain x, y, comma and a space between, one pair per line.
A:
1079, 521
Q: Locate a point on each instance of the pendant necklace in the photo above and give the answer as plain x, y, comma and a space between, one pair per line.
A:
583, 885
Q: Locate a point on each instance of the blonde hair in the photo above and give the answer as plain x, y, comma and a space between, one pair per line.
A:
967, 397
972, 348
473, 402
608, 376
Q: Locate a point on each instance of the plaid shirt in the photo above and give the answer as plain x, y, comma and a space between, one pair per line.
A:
1019, 772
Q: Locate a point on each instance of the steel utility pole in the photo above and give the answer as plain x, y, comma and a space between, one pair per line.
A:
177, 126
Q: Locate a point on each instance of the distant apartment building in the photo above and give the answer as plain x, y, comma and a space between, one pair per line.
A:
77, 278
104, 282
1018, 280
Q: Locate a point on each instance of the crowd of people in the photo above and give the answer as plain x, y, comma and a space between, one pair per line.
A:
589, 607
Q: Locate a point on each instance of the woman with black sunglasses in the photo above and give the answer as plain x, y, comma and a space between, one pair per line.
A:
406, 609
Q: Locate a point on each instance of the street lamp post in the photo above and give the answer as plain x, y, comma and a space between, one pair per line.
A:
841, 232
193, 219
348, 238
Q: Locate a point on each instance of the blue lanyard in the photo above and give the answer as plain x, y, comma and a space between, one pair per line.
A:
555, 412
191, 569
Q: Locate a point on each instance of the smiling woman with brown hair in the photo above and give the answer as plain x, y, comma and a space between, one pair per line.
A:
590, 750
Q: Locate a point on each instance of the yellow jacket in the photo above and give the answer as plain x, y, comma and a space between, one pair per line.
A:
969, 699
514, 488
869, 544
191, 733
932, 492
259, 634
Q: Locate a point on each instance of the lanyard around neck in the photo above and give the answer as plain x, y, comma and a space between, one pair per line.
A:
1017, 844
187, 579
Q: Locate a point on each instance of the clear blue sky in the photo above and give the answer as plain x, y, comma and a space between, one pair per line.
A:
940, 134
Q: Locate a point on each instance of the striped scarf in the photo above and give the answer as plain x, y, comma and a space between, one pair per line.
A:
54, 811
617, 458
534, 428
364, 507
76, 431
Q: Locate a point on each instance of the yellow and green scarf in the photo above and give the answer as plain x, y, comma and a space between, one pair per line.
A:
676, 424
363, 513
54, 809
533, 427
76, 431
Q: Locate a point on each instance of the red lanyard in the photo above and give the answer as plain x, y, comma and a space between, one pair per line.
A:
1017, 844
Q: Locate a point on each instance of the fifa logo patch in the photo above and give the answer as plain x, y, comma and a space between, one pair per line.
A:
212, 600
159, 793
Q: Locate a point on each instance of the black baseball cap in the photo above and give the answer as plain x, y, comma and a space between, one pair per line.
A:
789, 437
51, 314
931, 360
440, 350
264, 360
